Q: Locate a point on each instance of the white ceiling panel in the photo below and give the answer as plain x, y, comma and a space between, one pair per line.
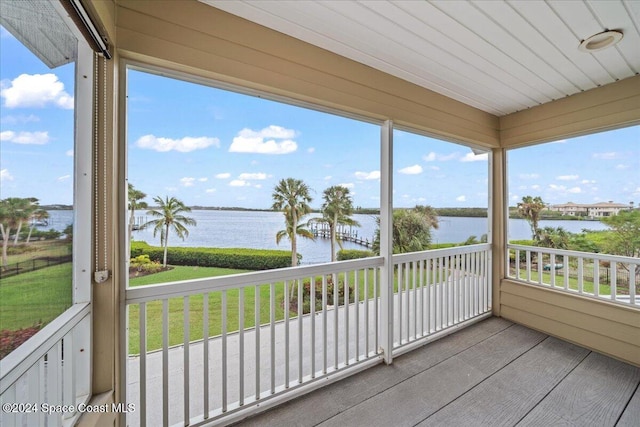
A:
500, 56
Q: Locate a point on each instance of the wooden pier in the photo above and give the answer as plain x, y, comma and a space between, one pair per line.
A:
342, 234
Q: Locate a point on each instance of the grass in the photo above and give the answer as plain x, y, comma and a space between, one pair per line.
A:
36, 297
587, 285
196, 309
39, 249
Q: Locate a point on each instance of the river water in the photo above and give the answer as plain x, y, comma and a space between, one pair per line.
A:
250, 229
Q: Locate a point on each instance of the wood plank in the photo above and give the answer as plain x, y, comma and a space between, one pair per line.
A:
416, 398
329, 401
509, 394
595, 393
631, 414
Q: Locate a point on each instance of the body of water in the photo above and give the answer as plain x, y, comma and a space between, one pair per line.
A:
249, 229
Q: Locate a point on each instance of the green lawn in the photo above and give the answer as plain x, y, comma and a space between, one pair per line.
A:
176, 307
39, 296
587, 285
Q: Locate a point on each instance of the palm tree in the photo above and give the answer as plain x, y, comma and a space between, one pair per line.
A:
530, 209
411, 229
24, 210
336, 210
37, 216
135, 196
13, 210
292, 197
169, 216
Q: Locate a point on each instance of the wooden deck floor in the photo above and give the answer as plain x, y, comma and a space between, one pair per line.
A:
492, 373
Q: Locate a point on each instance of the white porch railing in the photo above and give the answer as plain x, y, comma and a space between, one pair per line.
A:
438, 289
48, 373
196, 357
600, 276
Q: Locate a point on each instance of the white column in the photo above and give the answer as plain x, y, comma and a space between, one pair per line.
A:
386, 236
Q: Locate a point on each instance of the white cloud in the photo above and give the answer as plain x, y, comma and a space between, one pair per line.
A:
5, 175
187, 181
249, 176
557, 187
535, 187
27, 138
69, 153
64, 178
605, 156
270, 140
586, 181
36, 91
223, 175
183, 145
574, 190
567, 177
528, 176
210, 190
440, 157
203, 179
368, 175
328, 177
19, 119
348, 185
470, 157
238, 183
411, 170
461, 199
622, 167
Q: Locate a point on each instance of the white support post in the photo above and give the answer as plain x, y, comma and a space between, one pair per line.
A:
386, 243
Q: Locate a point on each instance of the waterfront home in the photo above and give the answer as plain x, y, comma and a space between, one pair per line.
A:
493, 76
593, 210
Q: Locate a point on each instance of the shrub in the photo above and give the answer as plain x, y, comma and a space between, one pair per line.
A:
346, 254
142, 264
238, 258
306, 295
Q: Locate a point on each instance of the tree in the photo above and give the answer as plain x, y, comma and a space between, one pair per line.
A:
12, 213
38, 215
555, 238
336, 210
169, 216
134, 196
411, 229
291, 196
24, 208
625, 234
530, 209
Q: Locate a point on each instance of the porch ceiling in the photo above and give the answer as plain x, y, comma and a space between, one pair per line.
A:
498, 56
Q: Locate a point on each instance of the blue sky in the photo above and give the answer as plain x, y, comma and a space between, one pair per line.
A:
212, 147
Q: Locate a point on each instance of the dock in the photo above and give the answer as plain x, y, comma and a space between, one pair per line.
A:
343, 234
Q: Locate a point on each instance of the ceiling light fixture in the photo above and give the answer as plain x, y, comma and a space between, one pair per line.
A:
600, 41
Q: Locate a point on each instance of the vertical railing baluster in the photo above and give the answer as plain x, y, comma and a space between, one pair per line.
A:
540, 267
324, 324
287, 303
427, 276
9, 418
447, 278
528, 255
356, 312
336, 305
517, 263
414, 271
366, 312
312, 314
465, 285
257, 329
223, 335
596, 277
300, 342
165, 362
272, 328
441, 292
33, 391
68, 372
241, 345
407, 295
205, 354
613, 279
142, 321
421, 285
580, 275
185, 358
565, 271
376, 308
632, 283
346, 318
399, 299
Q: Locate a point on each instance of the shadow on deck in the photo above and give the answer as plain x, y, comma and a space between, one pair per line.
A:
491, 373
